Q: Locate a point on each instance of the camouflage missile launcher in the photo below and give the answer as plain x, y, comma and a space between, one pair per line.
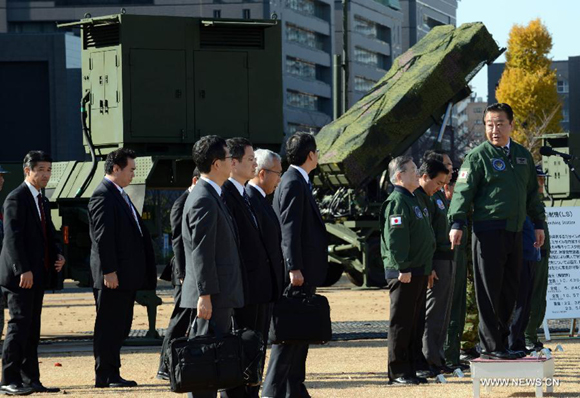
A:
404, 103
356, 148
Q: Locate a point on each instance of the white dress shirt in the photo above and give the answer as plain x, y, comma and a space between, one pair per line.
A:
35, 192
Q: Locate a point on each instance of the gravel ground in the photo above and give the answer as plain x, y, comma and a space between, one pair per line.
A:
348, 369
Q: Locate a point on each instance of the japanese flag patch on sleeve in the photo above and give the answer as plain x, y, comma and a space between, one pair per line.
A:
396, 221
463, 173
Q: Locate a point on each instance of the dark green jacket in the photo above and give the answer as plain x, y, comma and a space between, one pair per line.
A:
501, 190
407, 239
440, 223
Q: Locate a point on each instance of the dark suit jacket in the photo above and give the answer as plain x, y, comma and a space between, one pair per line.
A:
23, 247
260, 275
212, 260
304, 239
178, 261
271, 236
117, 244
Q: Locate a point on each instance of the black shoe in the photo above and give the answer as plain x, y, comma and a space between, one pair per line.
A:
15, 389
38, 387
422, 380
404, 381
498, 355
469, 354
116, 382
517, 353
425, 374
162, 375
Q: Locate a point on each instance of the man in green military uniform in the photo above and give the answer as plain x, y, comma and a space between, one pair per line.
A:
498, 178
407, 246
433, 174
2, 304
540, 287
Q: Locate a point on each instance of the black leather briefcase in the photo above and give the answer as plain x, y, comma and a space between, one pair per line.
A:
300, 316
216, 361
206, 363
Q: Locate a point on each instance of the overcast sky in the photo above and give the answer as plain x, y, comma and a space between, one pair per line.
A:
561, 17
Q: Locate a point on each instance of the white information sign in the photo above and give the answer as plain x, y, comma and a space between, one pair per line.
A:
563, 299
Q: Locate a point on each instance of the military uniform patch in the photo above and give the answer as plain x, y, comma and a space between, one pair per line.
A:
498, 164
440, 204
426, 212
396, 221
463, 173
521, 161
418, 212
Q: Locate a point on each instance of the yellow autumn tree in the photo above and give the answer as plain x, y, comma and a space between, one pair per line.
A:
529, 85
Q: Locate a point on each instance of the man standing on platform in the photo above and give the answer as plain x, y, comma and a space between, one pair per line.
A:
498, 178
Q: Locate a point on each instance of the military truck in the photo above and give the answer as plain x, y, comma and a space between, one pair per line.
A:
157, 84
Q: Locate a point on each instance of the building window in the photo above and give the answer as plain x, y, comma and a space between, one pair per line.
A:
363, 84
302, 100
217, 13
294, 128
303, 6
477, 110
371, 29
370, 58
304, 37
565, 115
562, 86
303, 69
246, 13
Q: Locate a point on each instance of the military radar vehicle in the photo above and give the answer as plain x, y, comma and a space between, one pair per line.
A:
157, 84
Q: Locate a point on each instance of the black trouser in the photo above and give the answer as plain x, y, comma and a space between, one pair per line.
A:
286, 372
221, 323
521, 316
178, 325
497, 262
112, 327
406, 316
255, 317
20, 351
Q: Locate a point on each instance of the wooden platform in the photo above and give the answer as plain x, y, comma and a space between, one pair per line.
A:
524, 371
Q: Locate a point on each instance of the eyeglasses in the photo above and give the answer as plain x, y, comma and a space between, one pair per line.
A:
275, 172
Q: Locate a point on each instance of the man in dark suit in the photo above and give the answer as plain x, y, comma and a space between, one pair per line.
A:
30, 258
180, 317
261, 287
213, 272
122, 262
304, 245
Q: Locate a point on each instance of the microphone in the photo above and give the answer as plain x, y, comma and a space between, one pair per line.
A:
548, 151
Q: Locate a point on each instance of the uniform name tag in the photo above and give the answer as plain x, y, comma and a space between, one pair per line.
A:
521, 161
396, 221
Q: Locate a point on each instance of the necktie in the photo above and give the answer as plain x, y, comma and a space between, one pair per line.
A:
128, 201
506, 150
310, 185
249, 206
43, 223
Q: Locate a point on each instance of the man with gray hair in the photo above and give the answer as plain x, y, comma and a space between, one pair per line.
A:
407, 247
